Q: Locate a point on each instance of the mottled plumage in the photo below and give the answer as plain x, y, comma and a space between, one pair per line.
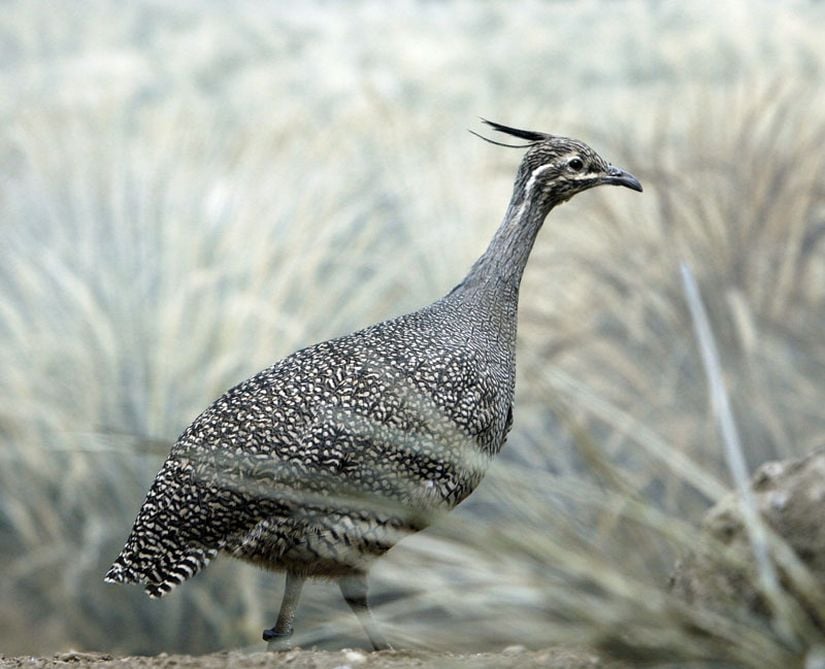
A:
320, 463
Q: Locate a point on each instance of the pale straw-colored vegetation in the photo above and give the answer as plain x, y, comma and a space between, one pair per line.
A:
190, 192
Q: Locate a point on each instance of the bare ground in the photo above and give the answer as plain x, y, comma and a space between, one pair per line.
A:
516, 656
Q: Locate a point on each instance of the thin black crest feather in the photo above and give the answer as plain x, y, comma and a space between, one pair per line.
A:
531, 136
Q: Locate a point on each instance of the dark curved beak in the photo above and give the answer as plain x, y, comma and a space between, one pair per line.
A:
618, 177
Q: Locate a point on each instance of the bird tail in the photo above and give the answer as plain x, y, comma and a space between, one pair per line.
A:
164, 575
165, 547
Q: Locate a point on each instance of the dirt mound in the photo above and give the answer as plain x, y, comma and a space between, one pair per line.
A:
721, 573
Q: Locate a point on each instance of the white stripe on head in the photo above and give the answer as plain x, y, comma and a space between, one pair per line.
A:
528, 189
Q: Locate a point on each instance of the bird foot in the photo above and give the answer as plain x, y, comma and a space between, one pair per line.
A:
277, 641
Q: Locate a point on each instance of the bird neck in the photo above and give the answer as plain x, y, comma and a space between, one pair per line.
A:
496, 275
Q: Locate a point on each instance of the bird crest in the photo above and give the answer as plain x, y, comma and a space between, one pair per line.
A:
533, 137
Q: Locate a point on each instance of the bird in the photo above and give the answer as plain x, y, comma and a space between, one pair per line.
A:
319, 464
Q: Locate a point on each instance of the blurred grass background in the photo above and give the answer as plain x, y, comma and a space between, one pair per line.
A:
191, 192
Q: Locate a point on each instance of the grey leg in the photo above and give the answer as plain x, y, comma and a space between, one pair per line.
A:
276, 636
354, 589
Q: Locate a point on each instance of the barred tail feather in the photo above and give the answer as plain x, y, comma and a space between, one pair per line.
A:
119, 573
167, 574
178, 571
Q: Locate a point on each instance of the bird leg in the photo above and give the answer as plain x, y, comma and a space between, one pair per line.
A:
354, 589
278, 635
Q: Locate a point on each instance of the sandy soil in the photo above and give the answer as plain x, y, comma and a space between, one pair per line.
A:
309, 659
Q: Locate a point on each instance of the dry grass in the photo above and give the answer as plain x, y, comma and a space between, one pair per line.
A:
190, 194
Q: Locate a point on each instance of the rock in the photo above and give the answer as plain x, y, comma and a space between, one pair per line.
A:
516, 649
354, 656
790, 495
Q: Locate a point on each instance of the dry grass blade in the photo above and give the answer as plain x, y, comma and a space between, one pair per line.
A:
733, 446
654, 445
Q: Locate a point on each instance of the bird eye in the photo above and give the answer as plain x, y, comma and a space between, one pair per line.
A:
575, 164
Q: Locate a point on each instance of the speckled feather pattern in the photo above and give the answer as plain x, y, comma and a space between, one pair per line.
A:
406, 412
322, 462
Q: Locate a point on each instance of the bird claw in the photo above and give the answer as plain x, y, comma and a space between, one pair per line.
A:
273, 637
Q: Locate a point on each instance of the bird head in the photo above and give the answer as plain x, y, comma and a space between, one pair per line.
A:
554, 169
